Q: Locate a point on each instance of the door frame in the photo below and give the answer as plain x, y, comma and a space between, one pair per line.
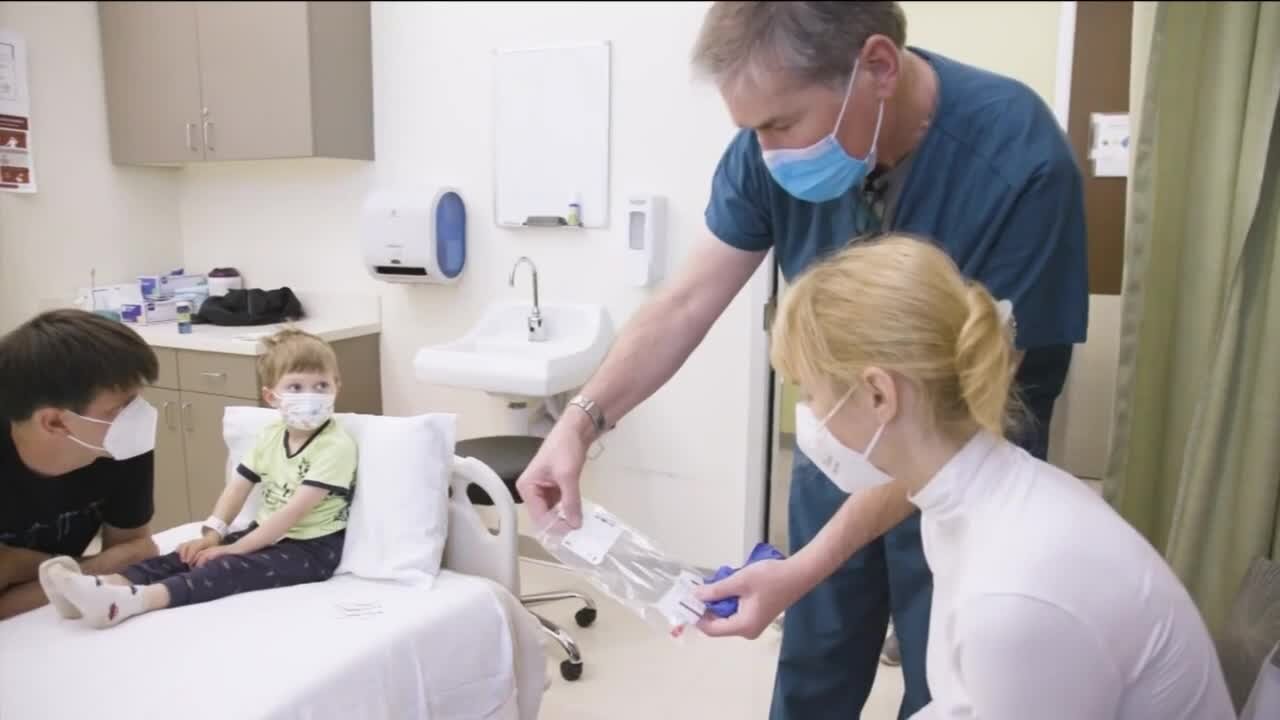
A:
1066, 54
760, 412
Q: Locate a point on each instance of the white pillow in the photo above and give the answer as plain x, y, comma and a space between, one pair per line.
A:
400, 517
241, 426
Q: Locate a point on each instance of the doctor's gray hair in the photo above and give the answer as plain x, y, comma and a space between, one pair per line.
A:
815, 42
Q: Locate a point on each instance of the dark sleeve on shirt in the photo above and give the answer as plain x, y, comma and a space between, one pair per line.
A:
130, 502
738, 212
1040, 262
248, 474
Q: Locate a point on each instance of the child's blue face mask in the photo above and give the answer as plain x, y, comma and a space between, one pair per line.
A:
823, 171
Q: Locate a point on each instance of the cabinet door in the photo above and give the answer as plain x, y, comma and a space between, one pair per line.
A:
171, 500
152, 81
206, 450
256, 79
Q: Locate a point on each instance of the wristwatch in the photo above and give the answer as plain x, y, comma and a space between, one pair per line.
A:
593, 411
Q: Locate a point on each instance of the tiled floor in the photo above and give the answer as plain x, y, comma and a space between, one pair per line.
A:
634, 673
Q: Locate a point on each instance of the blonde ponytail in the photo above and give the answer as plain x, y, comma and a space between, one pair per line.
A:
984, 361
900, 304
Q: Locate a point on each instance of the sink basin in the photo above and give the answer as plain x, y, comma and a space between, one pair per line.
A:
497, 357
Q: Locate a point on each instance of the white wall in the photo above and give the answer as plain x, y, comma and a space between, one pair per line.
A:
1018, 39
677, 466
88, 212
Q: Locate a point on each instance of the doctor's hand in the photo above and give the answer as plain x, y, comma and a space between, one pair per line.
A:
764, 589
552, 477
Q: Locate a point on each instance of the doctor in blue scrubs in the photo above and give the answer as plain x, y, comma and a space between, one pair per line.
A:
847, 131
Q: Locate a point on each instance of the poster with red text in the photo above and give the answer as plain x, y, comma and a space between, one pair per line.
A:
17, 172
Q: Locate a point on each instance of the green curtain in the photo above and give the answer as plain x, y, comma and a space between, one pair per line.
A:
1195, 450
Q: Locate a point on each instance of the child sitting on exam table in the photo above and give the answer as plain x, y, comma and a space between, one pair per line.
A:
306, 465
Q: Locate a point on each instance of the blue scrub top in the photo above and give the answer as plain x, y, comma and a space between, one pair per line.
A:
994, 182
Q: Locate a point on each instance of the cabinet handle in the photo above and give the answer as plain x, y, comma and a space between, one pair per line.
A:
168, 416
186, 417
208, 128
191, 143
214, 375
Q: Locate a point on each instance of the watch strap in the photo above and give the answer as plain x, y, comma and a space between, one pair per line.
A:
592, 410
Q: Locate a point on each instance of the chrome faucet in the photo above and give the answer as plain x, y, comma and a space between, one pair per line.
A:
537, 331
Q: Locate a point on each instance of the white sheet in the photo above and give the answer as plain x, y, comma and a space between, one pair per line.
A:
462, 649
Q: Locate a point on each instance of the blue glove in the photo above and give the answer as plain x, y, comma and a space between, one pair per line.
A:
726, 607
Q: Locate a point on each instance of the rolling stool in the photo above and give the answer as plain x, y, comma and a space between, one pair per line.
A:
508, 456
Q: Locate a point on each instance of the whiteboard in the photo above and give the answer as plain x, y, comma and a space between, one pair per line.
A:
551, 133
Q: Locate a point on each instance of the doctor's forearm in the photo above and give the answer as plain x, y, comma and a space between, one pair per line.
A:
655, 343
862, 518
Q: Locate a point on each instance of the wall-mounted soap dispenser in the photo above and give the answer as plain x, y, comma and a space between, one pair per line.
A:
414, 238
646, 238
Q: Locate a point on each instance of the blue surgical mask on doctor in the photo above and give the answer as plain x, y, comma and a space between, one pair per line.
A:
824, 171
848, 469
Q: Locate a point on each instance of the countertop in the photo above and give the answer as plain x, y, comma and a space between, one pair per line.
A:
244, 340
330, 318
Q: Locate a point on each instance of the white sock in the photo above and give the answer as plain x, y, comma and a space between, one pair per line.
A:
58, 567
103, 605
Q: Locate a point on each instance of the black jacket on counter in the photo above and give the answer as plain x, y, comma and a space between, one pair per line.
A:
251, 307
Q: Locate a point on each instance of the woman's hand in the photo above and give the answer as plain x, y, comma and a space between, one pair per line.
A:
209, 554
188, 551
763, 589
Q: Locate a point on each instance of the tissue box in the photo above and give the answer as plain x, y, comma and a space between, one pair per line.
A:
107, 297
149, 312
164, 287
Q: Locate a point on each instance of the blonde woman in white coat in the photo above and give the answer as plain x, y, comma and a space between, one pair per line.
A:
1047, 605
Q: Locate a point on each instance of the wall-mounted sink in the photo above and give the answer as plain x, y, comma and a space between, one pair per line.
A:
497, 356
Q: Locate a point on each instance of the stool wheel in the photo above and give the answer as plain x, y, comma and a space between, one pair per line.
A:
570, 671
585, 617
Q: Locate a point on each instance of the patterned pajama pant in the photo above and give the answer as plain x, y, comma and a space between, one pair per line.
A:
288, 562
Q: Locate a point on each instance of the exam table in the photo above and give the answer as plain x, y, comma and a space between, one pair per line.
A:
463, 648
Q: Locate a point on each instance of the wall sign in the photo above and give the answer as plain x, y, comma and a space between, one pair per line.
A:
17, 172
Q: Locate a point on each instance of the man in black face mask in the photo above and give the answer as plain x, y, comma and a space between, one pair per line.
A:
76, 441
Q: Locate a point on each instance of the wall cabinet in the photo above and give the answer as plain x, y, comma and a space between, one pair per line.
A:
191, 394
207, 81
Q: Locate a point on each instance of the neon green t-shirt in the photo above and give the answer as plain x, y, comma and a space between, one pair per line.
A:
327, 461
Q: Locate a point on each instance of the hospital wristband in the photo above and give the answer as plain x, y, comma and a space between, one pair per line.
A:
215, 524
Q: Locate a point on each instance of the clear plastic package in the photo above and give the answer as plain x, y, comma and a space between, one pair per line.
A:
625, 565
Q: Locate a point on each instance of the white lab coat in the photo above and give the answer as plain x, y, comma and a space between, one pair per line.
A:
1048, 605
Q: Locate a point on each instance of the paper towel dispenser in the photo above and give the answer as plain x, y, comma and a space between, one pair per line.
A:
414, 238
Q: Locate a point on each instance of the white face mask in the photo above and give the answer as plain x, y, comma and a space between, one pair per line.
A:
131, 434
850, 470
305, 411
